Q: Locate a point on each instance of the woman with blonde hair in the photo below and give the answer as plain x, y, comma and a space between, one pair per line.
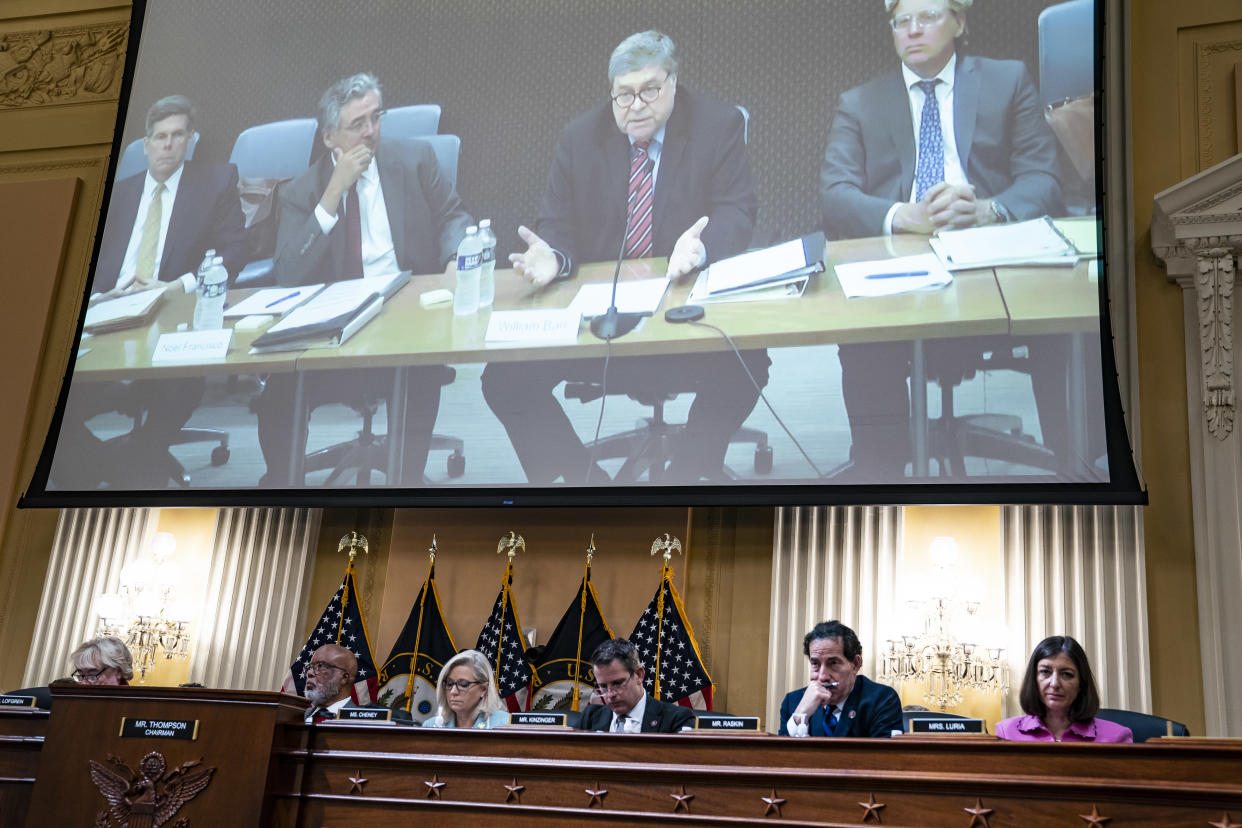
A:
466, 694
102, 661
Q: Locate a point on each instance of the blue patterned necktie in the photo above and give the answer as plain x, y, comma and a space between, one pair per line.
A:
930, 171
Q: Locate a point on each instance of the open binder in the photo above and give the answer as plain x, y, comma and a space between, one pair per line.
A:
127, 311
331, 317
779, 271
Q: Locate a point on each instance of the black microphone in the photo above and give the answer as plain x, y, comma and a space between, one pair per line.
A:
614, 323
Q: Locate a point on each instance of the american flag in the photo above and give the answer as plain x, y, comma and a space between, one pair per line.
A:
501, 642
670, 655
342, 623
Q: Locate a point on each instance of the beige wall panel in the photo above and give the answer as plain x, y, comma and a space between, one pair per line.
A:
1165, 150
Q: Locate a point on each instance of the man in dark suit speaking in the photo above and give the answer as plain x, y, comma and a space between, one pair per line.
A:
367, 207
839, 701
654, 171
160, 223
627, 708
944, 141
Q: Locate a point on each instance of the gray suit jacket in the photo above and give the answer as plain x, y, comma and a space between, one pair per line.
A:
424, 212
1007, 150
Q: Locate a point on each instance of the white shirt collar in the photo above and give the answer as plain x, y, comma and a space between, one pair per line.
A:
945, 75
636, 713
170, 184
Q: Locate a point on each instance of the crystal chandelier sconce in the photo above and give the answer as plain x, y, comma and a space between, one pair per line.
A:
944, 649
145, 612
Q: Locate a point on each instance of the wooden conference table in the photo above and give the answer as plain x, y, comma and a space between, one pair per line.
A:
983, 302
269, 769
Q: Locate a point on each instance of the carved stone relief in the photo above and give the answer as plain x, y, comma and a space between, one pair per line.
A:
57, 66
1214, 290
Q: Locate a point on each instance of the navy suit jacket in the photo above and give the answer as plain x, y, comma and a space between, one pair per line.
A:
871, 710
424, 213
1006, 149
658, 717
206, 215
703, 171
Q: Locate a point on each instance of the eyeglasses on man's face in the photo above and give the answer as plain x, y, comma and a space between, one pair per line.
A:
322, 667
611, 688
922, 19
648, 94
88, 676
459, 686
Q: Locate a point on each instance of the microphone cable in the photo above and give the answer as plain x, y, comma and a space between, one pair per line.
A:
762, 396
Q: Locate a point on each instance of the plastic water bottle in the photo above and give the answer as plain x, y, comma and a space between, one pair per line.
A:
209, 309
204, 266
487, 277
469, 268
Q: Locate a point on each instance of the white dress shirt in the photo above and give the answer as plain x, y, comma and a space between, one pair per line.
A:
379, 257
129, 264
953, 172
800, 727
631, 722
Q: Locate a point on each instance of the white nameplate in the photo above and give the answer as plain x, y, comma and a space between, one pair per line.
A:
192, 346
521, 327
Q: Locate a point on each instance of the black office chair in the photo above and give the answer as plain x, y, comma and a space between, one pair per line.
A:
1144, 726
951, 439
648, 447
369, 452
169, 465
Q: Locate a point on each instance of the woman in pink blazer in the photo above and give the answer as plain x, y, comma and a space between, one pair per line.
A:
1059, 697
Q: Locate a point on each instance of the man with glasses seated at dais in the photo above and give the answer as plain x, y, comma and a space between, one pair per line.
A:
627, 707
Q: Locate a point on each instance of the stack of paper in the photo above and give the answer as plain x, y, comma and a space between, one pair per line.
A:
887, 277
272, 301
643, 296
1024, 242
128, 311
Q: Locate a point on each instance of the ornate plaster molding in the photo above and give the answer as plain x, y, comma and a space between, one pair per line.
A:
1214, 291
1207, 95
76, 64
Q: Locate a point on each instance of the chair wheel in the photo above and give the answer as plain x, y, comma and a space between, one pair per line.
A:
456, 464
763, 460
219, 455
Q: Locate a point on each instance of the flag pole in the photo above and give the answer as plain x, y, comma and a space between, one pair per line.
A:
666, 545
355, 542
586, 577
509, 543
418, 633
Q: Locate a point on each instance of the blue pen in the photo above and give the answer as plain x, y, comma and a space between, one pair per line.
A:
282, 299
896, 275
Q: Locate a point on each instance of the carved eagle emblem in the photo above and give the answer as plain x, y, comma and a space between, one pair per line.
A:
149, 798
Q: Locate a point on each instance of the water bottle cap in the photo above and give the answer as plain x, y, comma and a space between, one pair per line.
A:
485, 223
471, 230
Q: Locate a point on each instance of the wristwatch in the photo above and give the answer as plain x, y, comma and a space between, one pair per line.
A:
999, 213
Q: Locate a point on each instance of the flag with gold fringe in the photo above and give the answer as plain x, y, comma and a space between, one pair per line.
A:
342, 623
670, 654
563, 679
408, 678
501, 642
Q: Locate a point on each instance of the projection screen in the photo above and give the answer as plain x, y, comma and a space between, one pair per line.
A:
916, 316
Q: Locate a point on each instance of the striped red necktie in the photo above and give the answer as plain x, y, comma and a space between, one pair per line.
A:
641, 199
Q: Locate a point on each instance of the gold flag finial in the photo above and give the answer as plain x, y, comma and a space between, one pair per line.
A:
591, 549
353, 541
511, 543
431, 550
668, 545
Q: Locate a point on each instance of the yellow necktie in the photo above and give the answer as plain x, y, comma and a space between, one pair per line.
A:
144, 273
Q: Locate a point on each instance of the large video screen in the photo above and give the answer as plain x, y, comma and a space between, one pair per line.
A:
547, 250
